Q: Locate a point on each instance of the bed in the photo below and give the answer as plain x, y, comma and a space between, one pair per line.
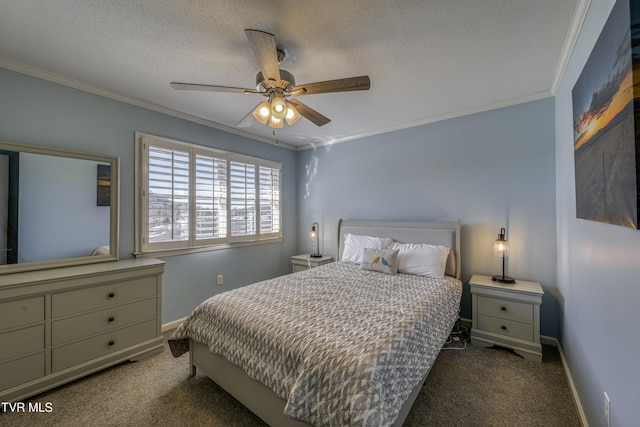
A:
347, 343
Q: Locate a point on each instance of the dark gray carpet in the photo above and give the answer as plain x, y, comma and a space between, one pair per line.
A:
470, 387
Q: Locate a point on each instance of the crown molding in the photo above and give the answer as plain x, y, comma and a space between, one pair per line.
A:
85, 87
570, 42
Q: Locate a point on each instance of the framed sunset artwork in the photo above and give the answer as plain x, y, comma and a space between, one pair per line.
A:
104, 185
606, 122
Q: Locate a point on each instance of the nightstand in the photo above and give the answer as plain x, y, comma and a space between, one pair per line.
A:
507, 315
306, 261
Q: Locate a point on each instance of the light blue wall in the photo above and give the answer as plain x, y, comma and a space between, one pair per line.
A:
59, 216
598, 272
489, 170
34, 111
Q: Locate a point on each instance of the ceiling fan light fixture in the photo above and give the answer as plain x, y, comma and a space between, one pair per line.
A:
278, 108
262, 112
277, 85
292, 114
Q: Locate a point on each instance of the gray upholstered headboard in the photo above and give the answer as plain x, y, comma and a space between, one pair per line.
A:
434, 233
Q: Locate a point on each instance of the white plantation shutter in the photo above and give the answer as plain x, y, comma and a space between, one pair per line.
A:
269, 200
193, 196
210, 197
242, 190
168, 195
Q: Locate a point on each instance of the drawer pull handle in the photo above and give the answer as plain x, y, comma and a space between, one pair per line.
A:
111, 319
504, 328
503, 308
111, 343
112, 294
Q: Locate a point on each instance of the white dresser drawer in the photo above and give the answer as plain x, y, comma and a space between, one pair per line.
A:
22, 312
81, 300
92, 348
22, 370
510, 328
97, 322
22, 341
506, 309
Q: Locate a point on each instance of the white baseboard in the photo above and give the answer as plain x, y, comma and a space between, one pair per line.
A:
574, 392
553, 342
172, 325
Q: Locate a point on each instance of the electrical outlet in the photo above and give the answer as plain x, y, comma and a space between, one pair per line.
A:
220, 279
607, 410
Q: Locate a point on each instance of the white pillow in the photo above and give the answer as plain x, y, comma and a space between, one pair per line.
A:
101, 250
354, 244
422, 259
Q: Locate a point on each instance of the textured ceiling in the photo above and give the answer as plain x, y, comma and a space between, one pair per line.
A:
427, 59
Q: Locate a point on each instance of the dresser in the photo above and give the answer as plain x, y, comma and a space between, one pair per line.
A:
60, 324
306, 261
507, 315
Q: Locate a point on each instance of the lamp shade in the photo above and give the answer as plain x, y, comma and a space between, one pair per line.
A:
501, 248
292, 114
278, 108
276, 123
262, 112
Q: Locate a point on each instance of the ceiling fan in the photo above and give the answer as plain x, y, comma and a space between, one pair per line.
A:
278, 85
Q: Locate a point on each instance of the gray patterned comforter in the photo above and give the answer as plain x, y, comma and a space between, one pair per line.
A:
342, 346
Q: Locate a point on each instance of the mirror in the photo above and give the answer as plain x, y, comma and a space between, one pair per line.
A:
57, 208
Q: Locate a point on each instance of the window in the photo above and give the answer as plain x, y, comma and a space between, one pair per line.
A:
193, 197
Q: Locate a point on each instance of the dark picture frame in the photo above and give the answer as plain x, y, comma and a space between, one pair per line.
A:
104, 185
606, 123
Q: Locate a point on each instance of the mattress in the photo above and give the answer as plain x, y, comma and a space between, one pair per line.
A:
341, 345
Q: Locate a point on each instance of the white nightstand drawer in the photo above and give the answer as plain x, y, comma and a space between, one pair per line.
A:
78, 301
510, 328
21, 312
102, 321
506, 309
92, 348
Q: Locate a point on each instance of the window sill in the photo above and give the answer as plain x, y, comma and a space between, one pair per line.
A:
175, 252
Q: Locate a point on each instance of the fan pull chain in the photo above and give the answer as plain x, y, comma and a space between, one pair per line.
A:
274, 135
